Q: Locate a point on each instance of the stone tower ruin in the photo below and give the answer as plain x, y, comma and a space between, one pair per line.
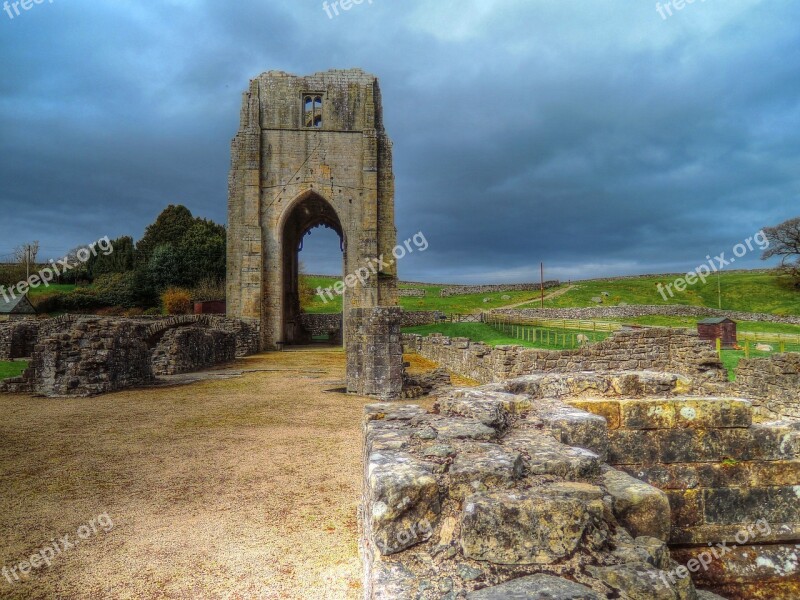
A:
312, 151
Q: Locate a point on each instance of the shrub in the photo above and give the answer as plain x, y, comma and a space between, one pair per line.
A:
110, 311
80, 300
116, 289
209, 289
177, 301
46, 303
152, 312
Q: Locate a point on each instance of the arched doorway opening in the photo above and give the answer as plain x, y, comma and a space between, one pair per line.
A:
310, 212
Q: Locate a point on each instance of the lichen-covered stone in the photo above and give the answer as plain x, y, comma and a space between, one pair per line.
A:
640, 508
537, 587
483, 467
404, 500
543, 455
526, 527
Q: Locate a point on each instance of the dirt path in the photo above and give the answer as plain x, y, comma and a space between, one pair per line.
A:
549, 296
240, 488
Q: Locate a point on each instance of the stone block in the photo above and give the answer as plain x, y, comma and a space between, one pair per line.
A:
627, 447
642, 509
532, 527
642, 582
606, 408
536, 587
482, 467
578, 428
729, 506
493, 409
543, 455
404, 498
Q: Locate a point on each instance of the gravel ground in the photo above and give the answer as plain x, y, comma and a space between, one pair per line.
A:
233, 488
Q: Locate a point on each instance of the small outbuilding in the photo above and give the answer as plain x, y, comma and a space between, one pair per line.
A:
16, 307
718, 329
210, 307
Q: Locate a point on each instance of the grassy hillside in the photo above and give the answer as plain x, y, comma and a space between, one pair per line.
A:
746, 291
432, 301
751, 292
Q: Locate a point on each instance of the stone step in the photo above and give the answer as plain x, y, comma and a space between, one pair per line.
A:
682, 412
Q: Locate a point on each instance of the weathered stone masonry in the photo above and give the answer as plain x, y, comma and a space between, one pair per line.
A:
85, 355
676, 351
289, 176
507, 483
774, 381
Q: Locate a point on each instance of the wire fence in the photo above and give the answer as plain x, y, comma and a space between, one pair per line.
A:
538, 334
565, 333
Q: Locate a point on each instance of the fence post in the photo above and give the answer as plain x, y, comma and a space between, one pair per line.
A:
719, 347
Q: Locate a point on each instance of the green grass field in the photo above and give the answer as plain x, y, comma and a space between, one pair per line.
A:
754, 291
749, 291
53, 287
547, 339
470, 303
691, 323
12, 369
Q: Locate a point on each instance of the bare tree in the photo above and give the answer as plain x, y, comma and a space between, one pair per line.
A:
26, 255
784, 241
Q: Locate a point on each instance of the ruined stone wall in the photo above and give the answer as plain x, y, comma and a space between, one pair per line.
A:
775, 382
18, 338
630, 312
677, 351
87, 355
375, 352
489, 289
532, 488
95, 356
728, 481
323, 324
189, 349
481, 500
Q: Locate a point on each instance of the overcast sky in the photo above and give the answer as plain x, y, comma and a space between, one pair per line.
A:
596, 136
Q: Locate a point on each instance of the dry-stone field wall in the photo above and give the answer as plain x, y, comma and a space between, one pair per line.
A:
528, 489
323, 325
88, 355
461, 290
631, 312
774, 381
411, 293
677, 351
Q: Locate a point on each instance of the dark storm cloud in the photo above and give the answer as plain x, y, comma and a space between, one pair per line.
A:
596, 137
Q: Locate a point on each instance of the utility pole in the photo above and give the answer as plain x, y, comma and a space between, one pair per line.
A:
542, 280
719, 290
